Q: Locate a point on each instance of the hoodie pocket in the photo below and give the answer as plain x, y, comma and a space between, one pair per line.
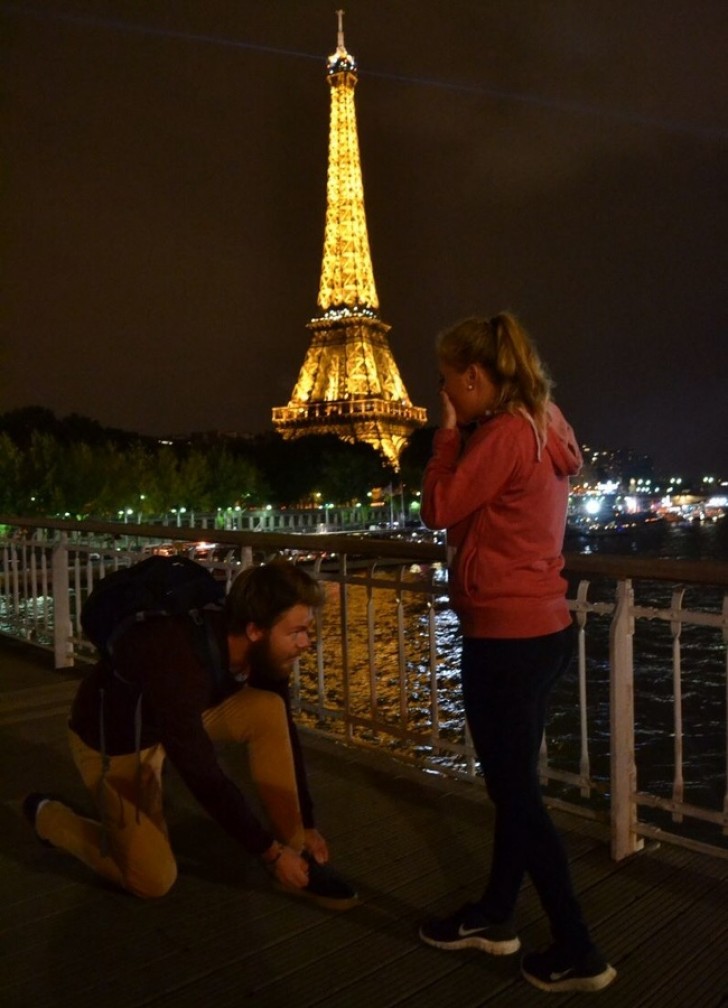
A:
466, 572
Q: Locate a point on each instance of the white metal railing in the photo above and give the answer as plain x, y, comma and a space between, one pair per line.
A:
384, 672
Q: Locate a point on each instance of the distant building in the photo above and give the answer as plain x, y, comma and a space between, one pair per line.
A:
615, 465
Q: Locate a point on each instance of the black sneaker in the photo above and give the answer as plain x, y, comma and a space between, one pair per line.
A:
325, 887
470, 928
30, 811
554, 970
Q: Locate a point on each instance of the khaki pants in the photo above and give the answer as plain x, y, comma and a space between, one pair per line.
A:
131, 848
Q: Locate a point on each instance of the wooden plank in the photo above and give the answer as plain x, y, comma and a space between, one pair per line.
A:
416, 848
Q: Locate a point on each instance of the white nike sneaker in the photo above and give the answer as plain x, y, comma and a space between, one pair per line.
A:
554, 970
470, 928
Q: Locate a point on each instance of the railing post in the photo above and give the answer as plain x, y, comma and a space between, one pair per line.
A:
621, 702
678, 784
345, 668
62, 631
725, 640
581, 613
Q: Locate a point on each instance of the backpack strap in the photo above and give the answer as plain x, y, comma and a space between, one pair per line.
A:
207, 645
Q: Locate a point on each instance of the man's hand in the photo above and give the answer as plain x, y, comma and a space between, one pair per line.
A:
288, 867
316, 846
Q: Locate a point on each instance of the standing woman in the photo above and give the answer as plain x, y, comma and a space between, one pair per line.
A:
498, 481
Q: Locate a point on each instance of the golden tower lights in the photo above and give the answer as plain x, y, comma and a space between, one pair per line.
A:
349, 384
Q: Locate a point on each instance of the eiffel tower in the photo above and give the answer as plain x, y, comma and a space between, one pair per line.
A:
349, 384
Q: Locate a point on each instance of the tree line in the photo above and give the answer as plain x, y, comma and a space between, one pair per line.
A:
74, 466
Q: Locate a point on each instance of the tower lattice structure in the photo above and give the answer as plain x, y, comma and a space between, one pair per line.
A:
349, 384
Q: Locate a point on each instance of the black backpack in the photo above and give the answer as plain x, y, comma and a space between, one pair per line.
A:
157, 586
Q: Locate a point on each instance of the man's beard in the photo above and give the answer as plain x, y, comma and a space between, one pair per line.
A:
262, 665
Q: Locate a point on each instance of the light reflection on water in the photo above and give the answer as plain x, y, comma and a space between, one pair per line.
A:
385, 682
31, 617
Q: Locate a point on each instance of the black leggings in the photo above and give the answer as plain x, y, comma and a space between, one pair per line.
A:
506, 685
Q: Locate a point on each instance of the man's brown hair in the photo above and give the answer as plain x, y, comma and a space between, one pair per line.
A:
261, 594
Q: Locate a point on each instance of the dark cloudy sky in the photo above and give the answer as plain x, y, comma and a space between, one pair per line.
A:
164, 193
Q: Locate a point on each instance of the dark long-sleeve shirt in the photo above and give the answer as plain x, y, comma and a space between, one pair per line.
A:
162, 660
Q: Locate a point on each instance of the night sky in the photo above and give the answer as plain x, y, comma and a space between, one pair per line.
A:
164, 172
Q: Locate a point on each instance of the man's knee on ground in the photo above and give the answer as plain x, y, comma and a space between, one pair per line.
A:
152, 884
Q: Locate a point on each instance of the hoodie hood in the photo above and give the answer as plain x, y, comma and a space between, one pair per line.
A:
561, 444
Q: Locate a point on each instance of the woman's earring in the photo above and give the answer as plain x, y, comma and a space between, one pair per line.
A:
470, 388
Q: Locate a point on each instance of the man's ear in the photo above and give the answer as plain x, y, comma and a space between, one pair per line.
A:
253, 632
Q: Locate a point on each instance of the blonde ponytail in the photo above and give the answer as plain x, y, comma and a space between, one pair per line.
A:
504, 348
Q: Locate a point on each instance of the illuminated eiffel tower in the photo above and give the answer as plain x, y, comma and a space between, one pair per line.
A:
349, 384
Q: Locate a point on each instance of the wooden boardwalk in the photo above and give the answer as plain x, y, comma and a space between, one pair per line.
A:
224, 938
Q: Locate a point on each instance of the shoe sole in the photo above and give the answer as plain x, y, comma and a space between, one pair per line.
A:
496, 948
327, 902
32, 822
586, 984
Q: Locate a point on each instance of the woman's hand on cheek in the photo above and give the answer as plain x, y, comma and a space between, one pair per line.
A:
449, 419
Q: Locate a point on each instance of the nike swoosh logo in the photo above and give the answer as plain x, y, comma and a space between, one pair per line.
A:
464, 932
560, 976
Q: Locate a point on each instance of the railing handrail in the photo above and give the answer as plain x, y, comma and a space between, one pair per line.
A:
366, 545
702, 572
698, 572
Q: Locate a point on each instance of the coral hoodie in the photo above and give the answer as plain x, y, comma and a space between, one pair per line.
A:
502, 496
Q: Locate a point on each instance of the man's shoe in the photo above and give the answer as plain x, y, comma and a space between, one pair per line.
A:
30, 806
325, 887
555, 970
470, 928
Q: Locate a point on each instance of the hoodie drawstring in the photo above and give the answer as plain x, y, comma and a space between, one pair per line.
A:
138, 750
540, 441
105, 764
